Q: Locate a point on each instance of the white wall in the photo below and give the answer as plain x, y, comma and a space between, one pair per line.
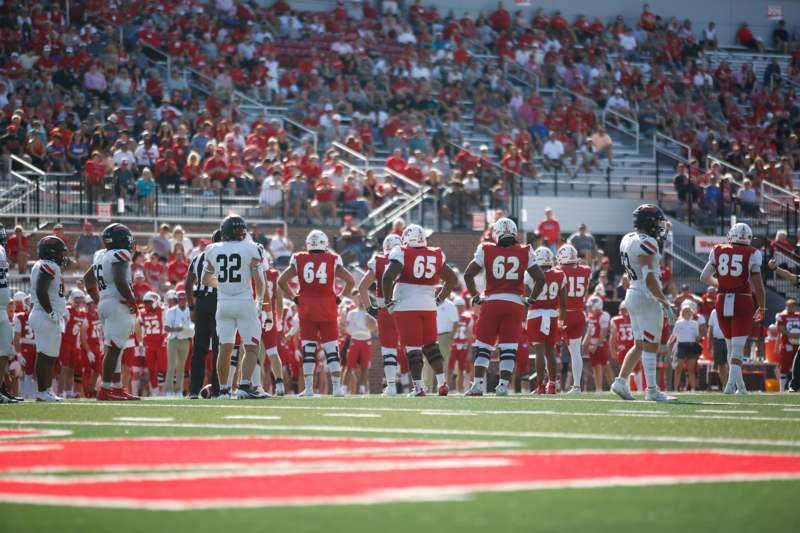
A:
607, 216
727, 14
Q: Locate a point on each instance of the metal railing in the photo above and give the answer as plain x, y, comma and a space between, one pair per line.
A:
664, 144
356, 160
623, 124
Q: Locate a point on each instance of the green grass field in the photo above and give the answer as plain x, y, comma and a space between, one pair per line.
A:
756, 423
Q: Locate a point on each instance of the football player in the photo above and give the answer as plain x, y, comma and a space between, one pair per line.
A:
543, 316
94, 339
621, 341
414, 271
463, 337
359, 325
72, 340
154, 338
272, 327
387, 332
595, 341
735, 269
24, 343
49, 308
505, 263
6, 330
573, 328
230, 265
788, 322
316, 270
108, 282
645, 301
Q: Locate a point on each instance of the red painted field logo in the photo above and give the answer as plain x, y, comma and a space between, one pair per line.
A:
191, 473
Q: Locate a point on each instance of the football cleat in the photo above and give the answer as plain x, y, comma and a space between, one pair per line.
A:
551, 388
621, 389
444, 389
306, 393
501, 390
125, 395
280, 390
194, 396
6, 400
655, 395
416, 393
474, 390
249, 392
48, 396
730, 388
574, 391
224, 394
338, 392
539, 389
15, 399
390, 390
741, 392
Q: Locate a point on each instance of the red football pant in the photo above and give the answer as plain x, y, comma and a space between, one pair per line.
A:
156, 357
575, 325
322, 332
523, 360
458, 356
600, 356
535, 334
416, 328
740, 323
387, 331
500, 322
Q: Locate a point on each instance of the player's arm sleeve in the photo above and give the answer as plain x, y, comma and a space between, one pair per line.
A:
528, 280
338, 262
293, 263
648, 245
755, 261
708, 271
477, 258
396, 254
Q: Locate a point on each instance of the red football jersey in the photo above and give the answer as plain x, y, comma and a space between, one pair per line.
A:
24, 329
504, 267
622, 324
595, 325
789, 321
733, 264
153, 333
466, 321
271, 279
72, 330
554, 281
577, 285
379, 267
316, 273
94, 328
421, 266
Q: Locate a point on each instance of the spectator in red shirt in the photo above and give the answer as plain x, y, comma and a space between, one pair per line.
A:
351, 197
17, 250
216, 168
500, 20
745, 37
155, 272
549, 230
396, 161
95, 173
178, 267
323, 208
140, 286
647, 20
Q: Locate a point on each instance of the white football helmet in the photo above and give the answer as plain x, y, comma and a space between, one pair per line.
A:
594, 304
77, 296
544, 256
20, 296
390, 242
316, 240
171, 295
567, 255
414, 236
740, 233
504, 227
151, 296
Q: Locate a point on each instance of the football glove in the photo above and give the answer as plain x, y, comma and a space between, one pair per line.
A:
91, 357
477, 300
372, 311
54, 317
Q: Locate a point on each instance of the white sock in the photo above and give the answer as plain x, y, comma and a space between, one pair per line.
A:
309, 382
118, 385
440, 379
336, 382
419, 385
362, 389
405, 379
391, 374
735, 375
576, 360
135, 387
256, 379
649, 363
107, 385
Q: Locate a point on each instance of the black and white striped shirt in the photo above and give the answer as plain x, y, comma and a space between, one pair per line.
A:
198, 266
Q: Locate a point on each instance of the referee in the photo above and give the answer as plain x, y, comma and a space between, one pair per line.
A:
203, 304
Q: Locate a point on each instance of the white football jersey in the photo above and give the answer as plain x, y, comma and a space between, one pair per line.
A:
230, 261
5, 291
103, 264
56, 289
633, 246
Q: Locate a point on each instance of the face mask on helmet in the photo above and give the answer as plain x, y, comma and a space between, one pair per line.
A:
544, 256
390, 242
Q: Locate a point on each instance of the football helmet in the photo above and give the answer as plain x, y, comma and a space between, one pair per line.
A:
150, 298
51, 248
740, 233
544, 256
3, 234
414, 236
171, 295
316, 241
233, 228
216, 236
77, 297
390, 241
594, 304
649, 219
622, 309
118, 237
567, 255
504, 228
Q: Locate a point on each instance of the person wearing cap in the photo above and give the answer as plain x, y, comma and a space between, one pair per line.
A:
686, 334
86, 245
179, 328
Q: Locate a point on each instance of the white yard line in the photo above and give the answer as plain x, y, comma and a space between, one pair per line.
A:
726, 412
29, 448
142, 419
677, 439
447, 413
251, 417
792, 409
353, 415
526, 412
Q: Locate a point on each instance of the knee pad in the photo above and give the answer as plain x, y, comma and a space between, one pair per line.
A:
414, 357
508, 357
309, 353
482, 355
235, 356
332, 358
432, 353
389, 356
